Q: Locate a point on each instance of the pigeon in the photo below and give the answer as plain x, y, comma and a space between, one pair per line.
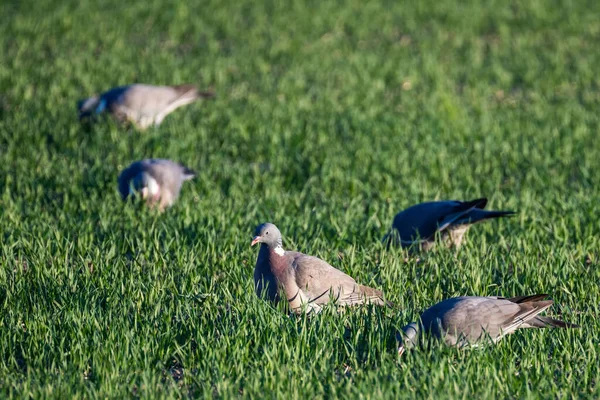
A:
158, 181
143, 105
307, 282
419, 224
472, 321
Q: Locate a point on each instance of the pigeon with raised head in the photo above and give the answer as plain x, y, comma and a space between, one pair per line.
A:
143, 105
471, 320
157, 181
418, 225
307, 282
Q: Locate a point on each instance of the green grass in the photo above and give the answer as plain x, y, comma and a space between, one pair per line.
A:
330, 118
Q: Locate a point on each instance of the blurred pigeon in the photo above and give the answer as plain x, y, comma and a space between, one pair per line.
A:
143, 105
158, 181
418, 225
471, 321
306, 281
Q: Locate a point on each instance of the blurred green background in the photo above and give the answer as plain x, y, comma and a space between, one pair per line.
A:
330, 117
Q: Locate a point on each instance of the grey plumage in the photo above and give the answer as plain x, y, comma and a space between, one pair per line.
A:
307, 282
471, 320
419, 224
143, 105
157, 181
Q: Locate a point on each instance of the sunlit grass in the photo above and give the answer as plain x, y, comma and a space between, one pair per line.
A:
330, 117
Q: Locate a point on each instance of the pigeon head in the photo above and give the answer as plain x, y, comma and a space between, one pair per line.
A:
91, 106
268, 234
408, 338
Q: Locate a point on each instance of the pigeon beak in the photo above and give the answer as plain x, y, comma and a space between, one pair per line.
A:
144, 193
256, 240
401, 350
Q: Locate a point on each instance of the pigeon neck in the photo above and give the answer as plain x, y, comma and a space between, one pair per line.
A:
279, 250
278, 262
153, 186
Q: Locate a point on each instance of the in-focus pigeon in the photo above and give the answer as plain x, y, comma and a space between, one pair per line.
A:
143, 105
157, 181
471, 321
419, 224
307, 282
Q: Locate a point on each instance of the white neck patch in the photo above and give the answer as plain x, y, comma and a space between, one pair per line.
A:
153, 187
279, 251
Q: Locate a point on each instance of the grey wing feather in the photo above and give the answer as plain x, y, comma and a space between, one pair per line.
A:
461, 213
474, 318
364, 294
147, 105
150, 100
423, 220
170, 175
470, 317
318, 279
324, 283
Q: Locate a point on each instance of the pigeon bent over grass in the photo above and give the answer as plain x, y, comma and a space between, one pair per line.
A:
307, 282
157, 181
143, 105
471, 321
419, 224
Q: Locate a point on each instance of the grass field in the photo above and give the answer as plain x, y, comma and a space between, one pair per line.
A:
330, 117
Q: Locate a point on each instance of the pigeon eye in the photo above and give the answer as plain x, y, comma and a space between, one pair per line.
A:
267, 232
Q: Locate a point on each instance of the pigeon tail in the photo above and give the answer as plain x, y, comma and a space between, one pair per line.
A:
477, 203
374, 296
191, 93
188, 173
537, 301
526, 299
463, 213
547, 322
206, 94
478, 215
